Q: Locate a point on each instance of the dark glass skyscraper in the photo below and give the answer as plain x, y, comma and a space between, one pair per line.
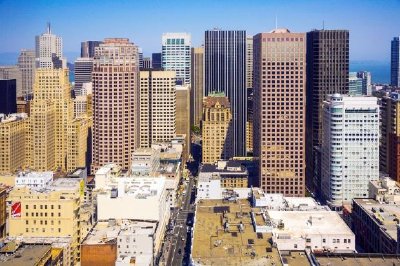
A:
225, 71
327, 73
395, 63
156, 61
8, 96
88, 47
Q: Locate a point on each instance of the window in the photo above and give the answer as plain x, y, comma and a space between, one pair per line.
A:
308, 240
323, 240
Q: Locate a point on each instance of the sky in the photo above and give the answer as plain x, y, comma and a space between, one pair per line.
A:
372, 24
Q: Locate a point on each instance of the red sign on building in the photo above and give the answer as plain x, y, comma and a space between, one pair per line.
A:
16, 210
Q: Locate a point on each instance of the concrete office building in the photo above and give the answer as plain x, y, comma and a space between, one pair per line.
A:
350, 148
365, 76
88, 48
78, 142
27, 66
217, 127
384, 190
83, 73
355, 84
156, 61
52, 101
197, 87
14, 130
146, 62
279, 111
157, 107
8, 98
225, 71
12, 72
116, 108
327, 73
183, 114
176, 55
389, 150
49, 50
395, 62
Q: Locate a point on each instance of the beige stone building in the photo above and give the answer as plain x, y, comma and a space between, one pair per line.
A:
52, 212
13, 139
216, 128
77, 142
249, 62
279, 110
197, 87
157, 107
183, 114
27, 66
115, 103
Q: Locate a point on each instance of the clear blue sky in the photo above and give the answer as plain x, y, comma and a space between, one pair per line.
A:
372, 24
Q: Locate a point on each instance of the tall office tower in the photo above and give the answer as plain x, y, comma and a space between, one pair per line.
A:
146, 62
83, 73
389, 152
12, 72
51, 85
27, 66
225, 71
350, 147
365, 76
197, 87
77, 142
327, 73
183, 113
217, 129
48, 46
395, 63
88, 48
116, 103
176, 55
249, 92
156, 61
279, 110
13, 142
157, 107
249, 62
355, 84
8, 98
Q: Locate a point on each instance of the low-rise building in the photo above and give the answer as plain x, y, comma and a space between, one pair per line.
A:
145, 161
375, 225
221, 180
34, 179
384, 190
13, 254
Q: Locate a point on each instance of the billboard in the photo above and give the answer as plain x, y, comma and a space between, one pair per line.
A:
16, 210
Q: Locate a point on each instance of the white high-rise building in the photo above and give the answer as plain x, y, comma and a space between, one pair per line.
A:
350, 147
48, 48
176, 55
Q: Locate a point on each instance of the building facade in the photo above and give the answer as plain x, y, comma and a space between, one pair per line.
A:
183, 113
217, 129
279, 111
365, 76
49, 48
88, 48
8, 97
355, 84
116, 103
327, 73
27, 66
83, 73
176, 50
225, 71
12, 72
395, 62
197, 88
350, 147
157, 107
156, 61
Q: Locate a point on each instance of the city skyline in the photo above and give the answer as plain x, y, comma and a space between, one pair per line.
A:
256, 16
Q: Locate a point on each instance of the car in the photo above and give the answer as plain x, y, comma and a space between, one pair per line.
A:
179, 251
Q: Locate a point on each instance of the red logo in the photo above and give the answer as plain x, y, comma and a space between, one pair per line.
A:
16, 210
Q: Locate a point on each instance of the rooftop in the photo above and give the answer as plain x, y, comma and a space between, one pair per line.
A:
387, 215
238, 244
103, 233
211, 101
355, 259
25, 255
230, 167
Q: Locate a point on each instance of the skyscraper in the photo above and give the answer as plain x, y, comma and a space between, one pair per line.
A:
183, 113
327, 73
249, 93
389, 150
48, 46
8, 97
88, 48
27, 66
365, 76
225, 71
355, 84
217, 129
83, 73
157, 107
116, 103
395, 62
176, 55
279, 110
197, 88
350, 147
146, 62
249, 62
156, 61
12, 72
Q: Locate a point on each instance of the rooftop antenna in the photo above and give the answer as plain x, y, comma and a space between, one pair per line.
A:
48, 27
